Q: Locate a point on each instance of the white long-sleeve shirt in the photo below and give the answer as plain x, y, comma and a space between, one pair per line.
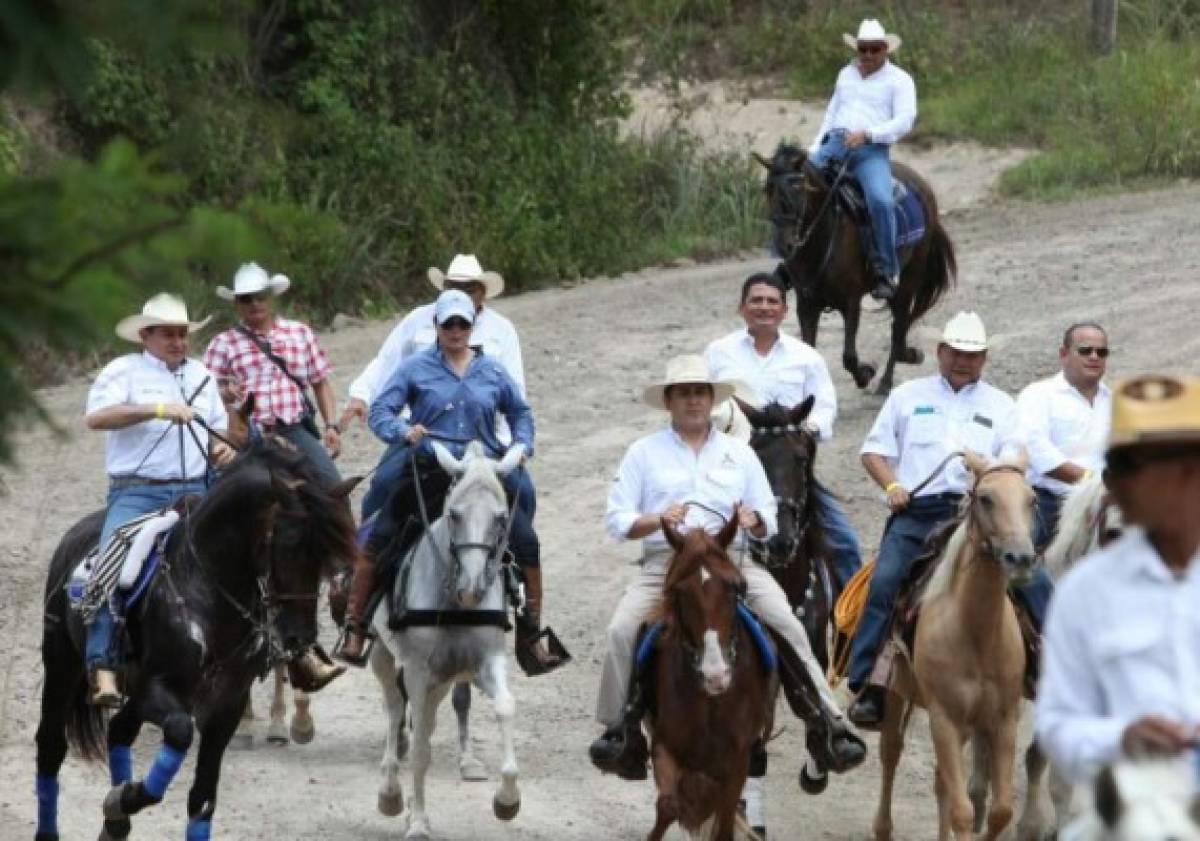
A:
787, 375
1122, 641
1058, 424
925, 420
661, 469
883, 104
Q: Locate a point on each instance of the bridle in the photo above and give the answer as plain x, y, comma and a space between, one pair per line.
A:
972, 497
694, 653
760, 549
792, 200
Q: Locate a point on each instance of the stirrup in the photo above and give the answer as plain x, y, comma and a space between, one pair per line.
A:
527, 656
339, 647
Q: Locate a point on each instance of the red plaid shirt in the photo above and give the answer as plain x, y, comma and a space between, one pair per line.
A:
276, 397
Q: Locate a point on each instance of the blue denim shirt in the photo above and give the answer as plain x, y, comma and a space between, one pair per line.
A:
460, 408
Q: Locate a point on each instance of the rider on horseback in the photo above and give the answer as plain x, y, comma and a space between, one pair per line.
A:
874, 105
154, 455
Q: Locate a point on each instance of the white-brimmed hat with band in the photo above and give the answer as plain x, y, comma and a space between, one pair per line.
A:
251, 279
682, 370
871, 31
163, 310
965, 332
465, 268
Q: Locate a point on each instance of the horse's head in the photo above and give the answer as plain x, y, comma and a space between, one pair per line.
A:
1002, 511
700, 602
795, 191
787, 451
1146, 800
476, 518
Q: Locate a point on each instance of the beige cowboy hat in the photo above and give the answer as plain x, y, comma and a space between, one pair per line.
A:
163, 310
688, 368
965, 332
250, 279
1155, 409
465, 268
872, 31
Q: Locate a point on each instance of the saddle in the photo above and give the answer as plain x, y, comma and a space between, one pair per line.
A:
909, 212
127, 563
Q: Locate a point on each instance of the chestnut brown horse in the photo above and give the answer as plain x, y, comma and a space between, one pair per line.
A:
823, 260
711, 687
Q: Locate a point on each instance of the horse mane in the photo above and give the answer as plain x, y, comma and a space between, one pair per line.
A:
1076, 532
953, 540
475, 473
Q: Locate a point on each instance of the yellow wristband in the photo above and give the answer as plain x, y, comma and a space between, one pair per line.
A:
160, 410
888, 489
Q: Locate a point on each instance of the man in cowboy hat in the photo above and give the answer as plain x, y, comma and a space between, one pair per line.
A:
912, 453
491, 332
153, 454
275, 360
874, 105
659, 478
1121, 650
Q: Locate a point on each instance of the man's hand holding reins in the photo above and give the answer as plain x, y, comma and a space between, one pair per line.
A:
750, 520
416, 433
897, 496
221, 453
855, 139
1153, 735
354, 409
179, 413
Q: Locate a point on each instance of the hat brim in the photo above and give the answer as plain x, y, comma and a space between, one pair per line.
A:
655, 396
493, 282
276, 286
893, 41
965, 347
130, 328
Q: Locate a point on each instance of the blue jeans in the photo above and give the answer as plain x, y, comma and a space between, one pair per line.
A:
391, 467
1048, 506
123, 505
870, 164
843, 542
902, 541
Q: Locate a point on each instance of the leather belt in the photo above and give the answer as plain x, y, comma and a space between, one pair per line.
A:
119, 482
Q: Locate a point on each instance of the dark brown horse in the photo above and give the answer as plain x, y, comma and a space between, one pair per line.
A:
823, 259
711, 686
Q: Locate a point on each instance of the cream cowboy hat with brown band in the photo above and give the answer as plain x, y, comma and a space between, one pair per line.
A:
1155, 409
465, 268
871, 31
250, 279
688, 368
163, 310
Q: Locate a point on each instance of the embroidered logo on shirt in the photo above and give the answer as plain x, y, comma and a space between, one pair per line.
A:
982, 421
925, 410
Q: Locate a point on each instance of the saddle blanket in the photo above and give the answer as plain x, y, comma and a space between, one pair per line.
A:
762, 642
909, 212
127, 562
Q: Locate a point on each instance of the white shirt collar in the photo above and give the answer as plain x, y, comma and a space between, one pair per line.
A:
1061, 384
678, 439
154, 362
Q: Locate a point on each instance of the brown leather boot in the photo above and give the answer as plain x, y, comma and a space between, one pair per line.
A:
354, 647
533, 618
313, 670
104, 689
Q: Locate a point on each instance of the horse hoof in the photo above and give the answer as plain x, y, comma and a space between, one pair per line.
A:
277, 734
113, 811
242, 741
301, 734
117, 830
390, 804
866, 373
417, 833
505, 811
46, 836
912, 356
472, 770
810, 784
760, 832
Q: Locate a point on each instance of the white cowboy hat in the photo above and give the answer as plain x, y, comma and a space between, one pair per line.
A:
453, 303
163, 310
251, 278
965, 332
871, 31
688, 368
465, 268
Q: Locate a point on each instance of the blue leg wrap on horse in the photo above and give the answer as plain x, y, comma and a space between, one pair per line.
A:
47, 797
120, 764
166, 766
199, 830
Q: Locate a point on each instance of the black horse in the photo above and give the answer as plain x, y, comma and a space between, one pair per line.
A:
246, 558
823, 259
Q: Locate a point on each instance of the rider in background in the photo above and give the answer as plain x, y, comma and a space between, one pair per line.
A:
154, 454
874, 105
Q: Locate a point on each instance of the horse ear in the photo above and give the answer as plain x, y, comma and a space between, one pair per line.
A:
345, 487
761, 160
730, 529
1020, 457
672, 534
449, 463
511, 460
1108, 797
752, 414
799, 413
976, 463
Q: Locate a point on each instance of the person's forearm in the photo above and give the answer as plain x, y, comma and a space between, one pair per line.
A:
1068, 472
122, 416
326, 402
644, 525
879, 469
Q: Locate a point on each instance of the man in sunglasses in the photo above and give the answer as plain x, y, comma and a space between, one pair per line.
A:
874, 105
1121, 649
1064, 422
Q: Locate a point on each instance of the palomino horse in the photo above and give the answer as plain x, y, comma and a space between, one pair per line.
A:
203, 631
968, 658
450, 625
710, 689
824, 262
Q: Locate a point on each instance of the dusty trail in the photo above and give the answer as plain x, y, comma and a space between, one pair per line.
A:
1029, 270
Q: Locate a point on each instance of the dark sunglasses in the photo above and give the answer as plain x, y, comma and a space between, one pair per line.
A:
871, 49
456, 324
1089, 350
251, 299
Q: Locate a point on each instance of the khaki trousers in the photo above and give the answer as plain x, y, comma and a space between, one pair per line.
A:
764, 596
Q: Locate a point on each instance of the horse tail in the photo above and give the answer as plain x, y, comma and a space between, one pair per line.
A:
941, 267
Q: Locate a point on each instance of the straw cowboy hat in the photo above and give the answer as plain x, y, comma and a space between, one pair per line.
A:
871, 31
163, 310
688, 368
965, 332
1155, 409
465, 268
250, 279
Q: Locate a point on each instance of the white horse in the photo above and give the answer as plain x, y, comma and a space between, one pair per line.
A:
1147, 800
454, 570
1087, 522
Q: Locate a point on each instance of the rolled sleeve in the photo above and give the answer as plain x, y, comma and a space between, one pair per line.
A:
1033, 420
881, 440
517, 412
318, 361
624, 497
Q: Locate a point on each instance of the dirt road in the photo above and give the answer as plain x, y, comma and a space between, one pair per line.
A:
1128, 261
